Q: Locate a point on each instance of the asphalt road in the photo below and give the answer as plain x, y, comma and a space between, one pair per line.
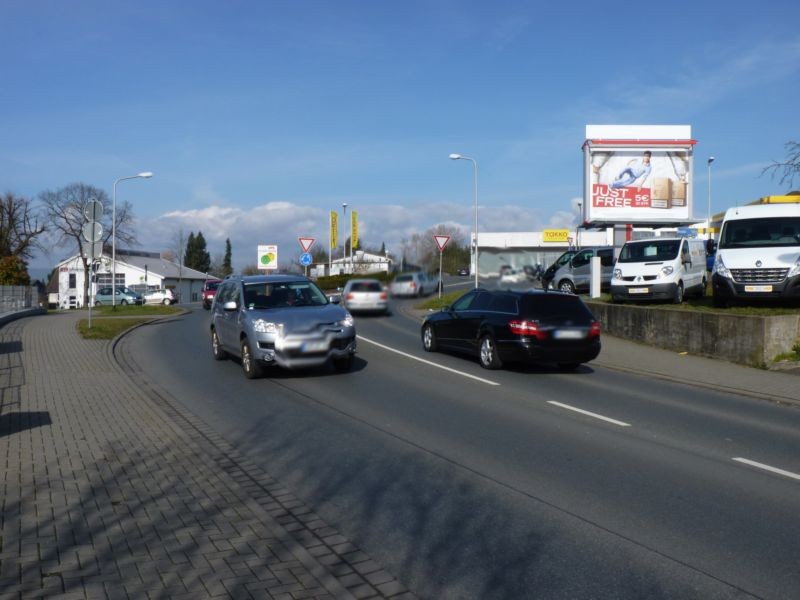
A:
466, 483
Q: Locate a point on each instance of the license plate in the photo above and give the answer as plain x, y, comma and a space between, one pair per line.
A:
758, 288
314, 346
567, 334
638, 290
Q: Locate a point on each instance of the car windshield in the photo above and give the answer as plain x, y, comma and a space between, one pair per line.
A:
545, 307
745, 233
651, 250
283, 295
402, 278
212, 285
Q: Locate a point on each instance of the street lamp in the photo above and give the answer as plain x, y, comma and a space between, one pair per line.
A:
475, 165
577, 227
710, 160
143, 175
344, 239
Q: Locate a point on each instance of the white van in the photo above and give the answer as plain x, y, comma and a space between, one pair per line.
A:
758, 254
576, 274
660, 269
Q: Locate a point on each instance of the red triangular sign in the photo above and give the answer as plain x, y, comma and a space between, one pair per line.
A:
441, 241
306, 243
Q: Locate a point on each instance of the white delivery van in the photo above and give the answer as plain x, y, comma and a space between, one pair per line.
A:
758, 254
576, 274
660, 269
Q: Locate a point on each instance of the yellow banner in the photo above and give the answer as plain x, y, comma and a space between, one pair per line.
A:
354, 229
555, 235
334, 229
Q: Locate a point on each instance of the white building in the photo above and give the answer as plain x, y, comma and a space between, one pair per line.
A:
361, 262
137, 270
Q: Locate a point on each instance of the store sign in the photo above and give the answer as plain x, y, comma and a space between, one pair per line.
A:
555, 235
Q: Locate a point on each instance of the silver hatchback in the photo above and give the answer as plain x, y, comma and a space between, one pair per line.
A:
280, 320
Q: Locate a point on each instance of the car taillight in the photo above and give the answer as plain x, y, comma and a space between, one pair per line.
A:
413, 285
384, 296
350, 296
526, 328
594, 330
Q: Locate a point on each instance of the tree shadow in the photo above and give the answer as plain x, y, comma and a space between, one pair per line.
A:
15, 422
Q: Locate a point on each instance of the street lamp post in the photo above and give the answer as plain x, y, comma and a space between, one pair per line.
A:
344, 239
143, 175
475, 166
577, 228
710, 160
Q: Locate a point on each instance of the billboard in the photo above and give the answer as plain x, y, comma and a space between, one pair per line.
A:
267, 257
638, 174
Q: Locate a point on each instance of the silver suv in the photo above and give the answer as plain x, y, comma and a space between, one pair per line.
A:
576, 274
280, 320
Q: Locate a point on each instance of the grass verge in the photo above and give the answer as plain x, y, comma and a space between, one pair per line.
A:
104, 328
129, 310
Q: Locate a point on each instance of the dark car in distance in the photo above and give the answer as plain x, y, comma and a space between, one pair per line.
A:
501, 326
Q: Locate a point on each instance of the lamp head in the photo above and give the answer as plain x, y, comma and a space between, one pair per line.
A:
455, 156
710, 159
146, 174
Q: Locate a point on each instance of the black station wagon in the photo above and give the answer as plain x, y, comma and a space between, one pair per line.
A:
511, 326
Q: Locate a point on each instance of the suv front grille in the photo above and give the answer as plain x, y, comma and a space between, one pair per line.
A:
759, 275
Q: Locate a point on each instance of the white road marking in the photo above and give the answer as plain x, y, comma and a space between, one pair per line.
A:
591, 414
758, 465
427, 362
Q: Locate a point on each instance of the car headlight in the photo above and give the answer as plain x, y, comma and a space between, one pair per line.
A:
720, 268
666, 271
262, 326
617, 273
347, 321
795, 270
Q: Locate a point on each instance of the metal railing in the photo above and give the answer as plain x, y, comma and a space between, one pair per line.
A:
18, 297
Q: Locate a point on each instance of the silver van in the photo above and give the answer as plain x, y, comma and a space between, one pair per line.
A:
576, 275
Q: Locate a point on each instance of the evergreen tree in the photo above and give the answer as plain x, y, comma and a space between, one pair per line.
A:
190, 256
203, 256
227, 268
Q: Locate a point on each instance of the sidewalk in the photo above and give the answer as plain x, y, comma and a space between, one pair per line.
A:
112, 491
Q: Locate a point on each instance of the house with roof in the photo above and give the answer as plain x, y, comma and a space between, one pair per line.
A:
138, 270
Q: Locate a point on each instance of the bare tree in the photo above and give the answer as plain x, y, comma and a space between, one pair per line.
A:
64, 209
19, 227
787, 170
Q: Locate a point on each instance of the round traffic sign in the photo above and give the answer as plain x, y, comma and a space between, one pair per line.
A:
92, 231
93, 209
305, 259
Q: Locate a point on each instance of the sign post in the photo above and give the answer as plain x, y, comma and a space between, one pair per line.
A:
441, 241
93, 233
305, 258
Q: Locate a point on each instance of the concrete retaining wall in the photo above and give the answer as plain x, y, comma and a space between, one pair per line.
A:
749, 340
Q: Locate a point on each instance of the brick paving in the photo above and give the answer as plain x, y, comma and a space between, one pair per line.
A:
110, 489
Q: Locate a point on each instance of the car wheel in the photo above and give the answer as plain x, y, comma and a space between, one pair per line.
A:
568, 366
488, 354
429, 339
701, 293
97, 303
678, 298
216, 347
251, 367
123, 302
166, 302
343, 365
566, 286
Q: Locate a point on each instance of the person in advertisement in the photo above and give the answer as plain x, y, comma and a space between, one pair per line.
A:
637, 169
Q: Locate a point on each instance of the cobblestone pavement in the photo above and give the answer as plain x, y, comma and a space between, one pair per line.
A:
110, 489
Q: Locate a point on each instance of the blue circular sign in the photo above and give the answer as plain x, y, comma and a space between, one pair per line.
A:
305, 259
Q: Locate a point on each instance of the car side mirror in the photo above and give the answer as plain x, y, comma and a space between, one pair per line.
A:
230, 305
334, 299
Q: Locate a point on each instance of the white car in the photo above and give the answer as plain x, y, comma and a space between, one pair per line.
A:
417, 283
365, 295
164, 296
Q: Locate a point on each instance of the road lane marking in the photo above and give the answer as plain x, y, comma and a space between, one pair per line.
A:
427, 362
758, 465
591, 414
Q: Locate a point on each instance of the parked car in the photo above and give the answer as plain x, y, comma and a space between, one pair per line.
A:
122, 295
283, 320
365, 295
660, 269
165, 296
463, 272
512, 326
209, 291
417, 283
513, 276
576, 274
550, 272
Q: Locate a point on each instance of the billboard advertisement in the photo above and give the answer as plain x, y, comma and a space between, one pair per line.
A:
267, 257
640, 176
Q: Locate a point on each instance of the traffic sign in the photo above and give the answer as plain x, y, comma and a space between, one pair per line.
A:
441, 241
305, 259
92, 231
93, 209
306, 243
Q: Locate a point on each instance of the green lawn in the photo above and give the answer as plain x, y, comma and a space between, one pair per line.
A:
108, 322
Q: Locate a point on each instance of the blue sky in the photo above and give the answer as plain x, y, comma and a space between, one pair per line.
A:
257, 118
